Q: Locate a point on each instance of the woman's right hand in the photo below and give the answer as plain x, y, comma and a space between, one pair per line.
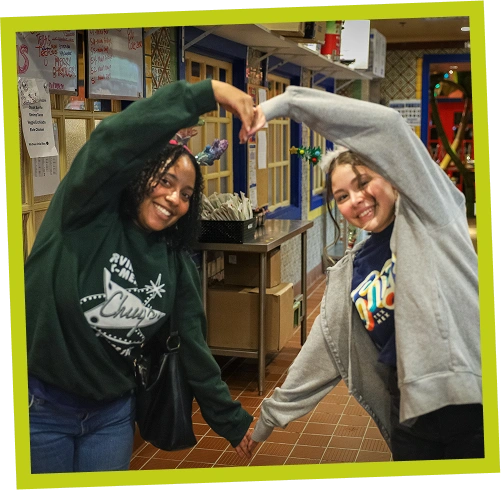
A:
237, 102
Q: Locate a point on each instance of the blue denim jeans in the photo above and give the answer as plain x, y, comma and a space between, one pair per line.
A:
64, 440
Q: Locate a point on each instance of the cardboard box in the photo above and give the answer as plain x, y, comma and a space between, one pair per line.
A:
242, 269
233, 317
314, 32
287, 29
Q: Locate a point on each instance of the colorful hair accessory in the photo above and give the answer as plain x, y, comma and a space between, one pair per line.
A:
312, 155
211, 153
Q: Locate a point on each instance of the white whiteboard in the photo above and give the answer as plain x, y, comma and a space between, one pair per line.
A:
50, 55
114, 64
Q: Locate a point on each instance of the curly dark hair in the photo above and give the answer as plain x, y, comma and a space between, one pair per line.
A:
184, 233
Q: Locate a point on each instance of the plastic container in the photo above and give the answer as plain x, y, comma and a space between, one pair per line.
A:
213, 231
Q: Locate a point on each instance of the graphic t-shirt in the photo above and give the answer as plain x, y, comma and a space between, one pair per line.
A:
373, 292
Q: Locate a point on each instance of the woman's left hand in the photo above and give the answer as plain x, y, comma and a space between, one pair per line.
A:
258, 122
243, 448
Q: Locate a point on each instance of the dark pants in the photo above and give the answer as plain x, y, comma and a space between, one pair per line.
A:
452, 432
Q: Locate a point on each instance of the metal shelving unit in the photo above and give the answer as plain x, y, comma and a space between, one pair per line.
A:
261, 38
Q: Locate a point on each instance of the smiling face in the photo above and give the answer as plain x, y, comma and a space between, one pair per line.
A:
365, 200
170, 197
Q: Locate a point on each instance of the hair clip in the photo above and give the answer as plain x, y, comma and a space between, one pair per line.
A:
175, 142
211, 153
311, 154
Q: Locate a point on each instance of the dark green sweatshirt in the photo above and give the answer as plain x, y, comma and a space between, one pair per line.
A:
98, 286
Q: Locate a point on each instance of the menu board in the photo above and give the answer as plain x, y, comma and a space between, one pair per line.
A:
51, 56
114, 63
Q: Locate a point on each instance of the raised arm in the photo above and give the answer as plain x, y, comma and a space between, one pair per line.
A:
381, 137
238, 103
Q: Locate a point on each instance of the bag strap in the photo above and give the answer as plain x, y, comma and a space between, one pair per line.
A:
173, 341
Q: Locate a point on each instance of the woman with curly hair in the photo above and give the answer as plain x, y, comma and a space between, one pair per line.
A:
109, 269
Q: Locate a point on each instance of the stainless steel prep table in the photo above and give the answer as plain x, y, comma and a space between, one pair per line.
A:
267, 238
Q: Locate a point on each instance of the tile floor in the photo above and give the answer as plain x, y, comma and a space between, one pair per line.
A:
337, 430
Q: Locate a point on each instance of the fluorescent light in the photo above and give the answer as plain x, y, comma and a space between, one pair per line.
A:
465, 29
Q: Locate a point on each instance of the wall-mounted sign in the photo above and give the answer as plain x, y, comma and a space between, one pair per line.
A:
36, 117
114, 63
51, 56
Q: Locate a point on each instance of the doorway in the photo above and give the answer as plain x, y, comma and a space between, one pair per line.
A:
447, 119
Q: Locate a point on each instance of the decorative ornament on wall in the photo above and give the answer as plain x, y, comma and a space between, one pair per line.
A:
312, 155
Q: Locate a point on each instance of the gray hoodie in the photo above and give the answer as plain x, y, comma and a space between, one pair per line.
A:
436, 291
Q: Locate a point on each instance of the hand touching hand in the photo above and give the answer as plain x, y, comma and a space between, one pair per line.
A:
258, 122
237, 102
243, 448
252, 445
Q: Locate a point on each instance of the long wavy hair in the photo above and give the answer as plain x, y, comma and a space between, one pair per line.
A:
184, 233
345, 158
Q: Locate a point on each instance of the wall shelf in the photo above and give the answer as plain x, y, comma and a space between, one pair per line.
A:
262, 39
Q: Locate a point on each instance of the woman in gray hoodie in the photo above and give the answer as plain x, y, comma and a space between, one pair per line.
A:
399, 320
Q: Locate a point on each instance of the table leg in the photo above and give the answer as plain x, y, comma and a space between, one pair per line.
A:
304, 286
261, 356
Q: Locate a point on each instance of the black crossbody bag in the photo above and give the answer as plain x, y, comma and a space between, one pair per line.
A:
163, 396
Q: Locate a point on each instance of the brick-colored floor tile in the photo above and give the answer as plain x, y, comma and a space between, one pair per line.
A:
346, 442
275, 449
198, 419
174, 455
333, 408
375, 445
193, 464
354, 410
372, 456
250, 401
147, 451
313, 440
339, 455
355, 420
283, 437
349, 431
200, 429
137, 463
231, 458
340, 389
217, 443
296, 426
293, 461
325, 418
204, 455
160, 464
266, 460
373, 433
309, 452
314, 428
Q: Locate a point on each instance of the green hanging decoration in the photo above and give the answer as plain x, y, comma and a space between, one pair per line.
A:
312, 155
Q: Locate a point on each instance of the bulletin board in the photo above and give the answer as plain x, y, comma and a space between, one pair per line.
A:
51, 56
257, 176
114, 68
